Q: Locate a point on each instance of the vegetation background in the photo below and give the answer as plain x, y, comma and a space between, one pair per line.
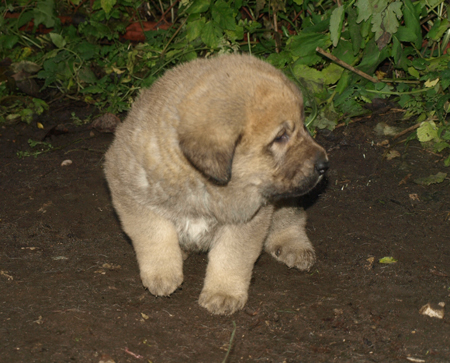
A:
348, 57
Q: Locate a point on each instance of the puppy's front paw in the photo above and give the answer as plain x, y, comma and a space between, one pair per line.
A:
222, 303
295, 255
162, 282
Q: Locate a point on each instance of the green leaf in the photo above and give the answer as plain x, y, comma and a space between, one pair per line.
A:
438, 29
211, 34
332, 73
27, 115
427, 131
393, 12
365, 29
432, 179
320, 27
43, 13
58, 40
336, 20
354, 30
397, 50
86, 75
222, 13
304, 46
39, 105
420, 64
447, 161
387, 260
433, 3
107, 5
372, 57
413, 72
199, 6
343, 83
9, 41
27, 66
92, 89
86, 50
279, 60
366, 8
313, 79
344, 51
236, 34
411, 32
194, 29
377, 19
439, 64
327, 118
439, 146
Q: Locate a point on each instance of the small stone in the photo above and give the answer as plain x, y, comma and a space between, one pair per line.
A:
105, 123
433, 310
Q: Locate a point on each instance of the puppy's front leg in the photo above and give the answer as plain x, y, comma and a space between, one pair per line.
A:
231, 260
155, 241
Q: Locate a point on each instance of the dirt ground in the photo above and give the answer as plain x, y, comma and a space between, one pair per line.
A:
70, 288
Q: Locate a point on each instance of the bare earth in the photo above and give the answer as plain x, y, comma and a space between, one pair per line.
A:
70, 288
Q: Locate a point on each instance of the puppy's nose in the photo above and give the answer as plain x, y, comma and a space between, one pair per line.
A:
322, 165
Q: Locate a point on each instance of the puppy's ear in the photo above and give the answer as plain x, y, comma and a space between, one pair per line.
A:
208, 133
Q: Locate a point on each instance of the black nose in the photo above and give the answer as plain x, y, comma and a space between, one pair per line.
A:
322, 166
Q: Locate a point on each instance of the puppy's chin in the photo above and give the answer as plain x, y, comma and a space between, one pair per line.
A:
306, 186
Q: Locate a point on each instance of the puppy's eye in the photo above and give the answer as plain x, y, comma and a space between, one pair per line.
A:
281, 138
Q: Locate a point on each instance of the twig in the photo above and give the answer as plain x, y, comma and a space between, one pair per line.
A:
170, 8
346, 65
173, 36
398, 93
409, 129
85, 149
392, 110
231, 342
275, 25
137, 356
352, 121
399, 80
248, 13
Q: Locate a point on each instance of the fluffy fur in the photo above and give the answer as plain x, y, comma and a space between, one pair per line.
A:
209, 159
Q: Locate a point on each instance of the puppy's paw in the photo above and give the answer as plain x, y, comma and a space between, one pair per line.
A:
163, 282
294, 255
221, 303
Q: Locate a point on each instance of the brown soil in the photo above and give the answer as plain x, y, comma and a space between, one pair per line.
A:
70, 288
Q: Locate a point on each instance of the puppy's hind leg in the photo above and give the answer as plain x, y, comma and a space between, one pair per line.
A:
155, 241
287, 240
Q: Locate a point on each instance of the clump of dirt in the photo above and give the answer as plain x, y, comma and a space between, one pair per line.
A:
70, 287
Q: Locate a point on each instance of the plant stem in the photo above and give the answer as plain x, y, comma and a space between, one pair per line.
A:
231, 342
346, 65
399, 93
173, 36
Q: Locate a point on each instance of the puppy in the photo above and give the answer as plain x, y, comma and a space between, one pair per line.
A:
210, 159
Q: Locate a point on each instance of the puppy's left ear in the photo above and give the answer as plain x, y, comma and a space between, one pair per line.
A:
208, 133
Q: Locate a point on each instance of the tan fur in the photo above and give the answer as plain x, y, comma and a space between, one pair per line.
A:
197, 166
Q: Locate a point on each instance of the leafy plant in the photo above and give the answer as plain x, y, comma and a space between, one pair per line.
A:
40, 147
397, 49
78, 121
13, 108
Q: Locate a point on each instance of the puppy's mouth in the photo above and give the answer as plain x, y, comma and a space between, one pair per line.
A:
296, 191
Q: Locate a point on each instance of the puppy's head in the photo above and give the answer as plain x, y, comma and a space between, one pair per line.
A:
286, 160
245, 125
